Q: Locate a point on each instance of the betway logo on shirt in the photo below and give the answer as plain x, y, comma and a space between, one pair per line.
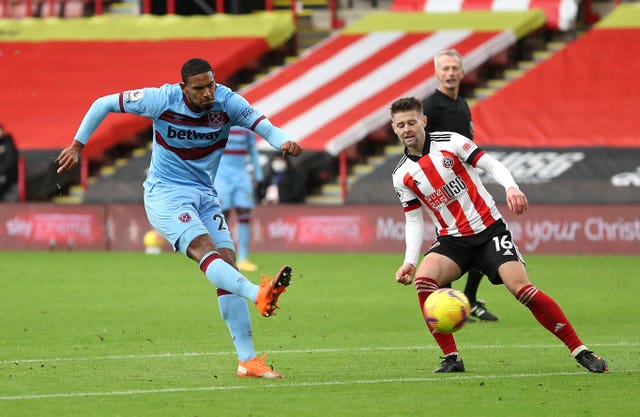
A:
189, 134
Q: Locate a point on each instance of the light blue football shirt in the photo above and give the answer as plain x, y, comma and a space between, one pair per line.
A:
187, 145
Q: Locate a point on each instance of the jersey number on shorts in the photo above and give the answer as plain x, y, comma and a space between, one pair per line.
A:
222, 224
502, 243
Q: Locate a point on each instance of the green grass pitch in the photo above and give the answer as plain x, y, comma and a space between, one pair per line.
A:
126, 334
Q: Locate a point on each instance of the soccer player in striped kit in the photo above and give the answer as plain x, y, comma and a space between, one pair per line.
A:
235, 187
438, 174
448, 111
191, 123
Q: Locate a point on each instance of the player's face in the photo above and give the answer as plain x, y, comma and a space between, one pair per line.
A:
449, 72
200, 90
409, 127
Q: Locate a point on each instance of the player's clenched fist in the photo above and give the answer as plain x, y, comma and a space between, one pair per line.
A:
290, 147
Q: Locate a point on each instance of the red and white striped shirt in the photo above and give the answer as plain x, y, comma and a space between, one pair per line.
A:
445, 182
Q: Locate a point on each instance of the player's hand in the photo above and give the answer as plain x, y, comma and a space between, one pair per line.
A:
69, 157
404, 274
290, 147
517, 201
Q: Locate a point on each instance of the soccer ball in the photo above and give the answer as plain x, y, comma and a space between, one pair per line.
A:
153, 242
446, 310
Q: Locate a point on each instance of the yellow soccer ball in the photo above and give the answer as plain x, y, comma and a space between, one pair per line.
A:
153, 242
447, 310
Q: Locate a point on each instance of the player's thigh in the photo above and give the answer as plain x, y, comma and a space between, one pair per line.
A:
210, 213
498, 250
173, 212
439, 267
514, 275
446, 259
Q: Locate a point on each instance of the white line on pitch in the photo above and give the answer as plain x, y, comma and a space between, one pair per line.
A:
287, 385
337, 350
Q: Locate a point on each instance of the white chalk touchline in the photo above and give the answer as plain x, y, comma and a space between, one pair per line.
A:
336, 350
286, 385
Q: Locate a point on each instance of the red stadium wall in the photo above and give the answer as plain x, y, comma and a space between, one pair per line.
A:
58, 97
577, 98
545, 229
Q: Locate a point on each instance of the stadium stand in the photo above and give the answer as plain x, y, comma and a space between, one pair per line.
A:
560, 14
334, 97
18, 9
564, 127
577, 97
52, 69
122, 181
338, 92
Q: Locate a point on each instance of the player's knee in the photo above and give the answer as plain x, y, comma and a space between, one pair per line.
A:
228, 255
514, 275
199, 246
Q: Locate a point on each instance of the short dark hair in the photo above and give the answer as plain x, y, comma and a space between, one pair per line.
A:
194, 66
406, 104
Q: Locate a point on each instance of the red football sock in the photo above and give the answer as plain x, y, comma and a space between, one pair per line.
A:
549, 314
425, 286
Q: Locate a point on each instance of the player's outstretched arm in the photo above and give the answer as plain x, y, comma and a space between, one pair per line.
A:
69, 156
516, 200
278, 138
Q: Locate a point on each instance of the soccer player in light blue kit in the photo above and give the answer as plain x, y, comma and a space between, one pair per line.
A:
191, 123
235, 187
